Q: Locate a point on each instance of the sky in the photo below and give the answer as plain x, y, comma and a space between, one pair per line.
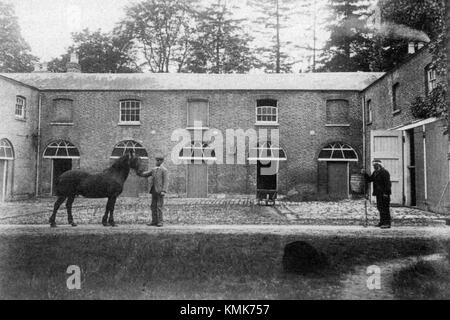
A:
47, 25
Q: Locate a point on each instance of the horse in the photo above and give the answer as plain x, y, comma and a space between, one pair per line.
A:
107, 184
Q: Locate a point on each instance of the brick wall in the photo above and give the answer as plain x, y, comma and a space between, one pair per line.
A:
411, 78
95, 131
19, 132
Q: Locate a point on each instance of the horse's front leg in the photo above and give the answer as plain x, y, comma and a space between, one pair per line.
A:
105, 216
109, 209
58, 203
69, 211
111, 212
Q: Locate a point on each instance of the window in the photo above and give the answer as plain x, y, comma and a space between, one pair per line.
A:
61, 150
431, 79
129, 145
338, 151
198, 151
267, 152
6, 150
198, 114
369, 111
266, 111
130, 112
395, 98
62, 111
20, 107
337, 112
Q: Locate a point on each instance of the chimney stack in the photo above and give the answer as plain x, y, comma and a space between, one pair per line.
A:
73, 65
414, 46
40, 67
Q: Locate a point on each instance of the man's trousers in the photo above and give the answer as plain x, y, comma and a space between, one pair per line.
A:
157, 208
383, 207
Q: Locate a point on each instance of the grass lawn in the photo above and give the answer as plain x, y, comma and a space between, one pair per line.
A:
143, 264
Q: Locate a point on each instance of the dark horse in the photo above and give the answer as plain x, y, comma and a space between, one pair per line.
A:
108, 184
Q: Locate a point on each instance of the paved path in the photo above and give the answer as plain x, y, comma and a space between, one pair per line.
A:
231, 210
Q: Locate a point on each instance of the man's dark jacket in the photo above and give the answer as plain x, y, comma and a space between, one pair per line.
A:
381, 182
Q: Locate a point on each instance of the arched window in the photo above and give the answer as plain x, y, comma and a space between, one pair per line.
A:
129, 145
198, 151
6, 150
61, 149
338, 151
267, 152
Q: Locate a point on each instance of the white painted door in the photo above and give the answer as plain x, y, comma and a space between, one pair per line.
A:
388, 147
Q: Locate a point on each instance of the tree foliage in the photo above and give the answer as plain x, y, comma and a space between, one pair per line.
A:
272, 17
425, 16
15, 53
161, 29
219, 44
349, 47
99, 53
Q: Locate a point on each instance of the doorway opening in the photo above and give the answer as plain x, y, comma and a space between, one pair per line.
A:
59, 167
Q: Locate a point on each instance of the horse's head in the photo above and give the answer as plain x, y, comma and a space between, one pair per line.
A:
128, 161
134, 162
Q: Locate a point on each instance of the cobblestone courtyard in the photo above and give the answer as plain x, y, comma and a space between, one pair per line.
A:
236, 210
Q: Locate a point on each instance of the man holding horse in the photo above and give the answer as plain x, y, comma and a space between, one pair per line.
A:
158, 188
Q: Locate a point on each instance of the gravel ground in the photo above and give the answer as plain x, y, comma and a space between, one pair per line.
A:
238, 210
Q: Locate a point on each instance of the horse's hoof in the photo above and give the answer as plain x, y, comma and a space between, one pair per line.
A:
52, 225
113, 224
105, 224
73, 224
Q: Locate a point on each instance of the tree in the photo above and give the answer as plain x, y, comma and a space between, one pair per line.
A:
15, 53
349, 46
99, 53
161, 30
219, 44
274, 15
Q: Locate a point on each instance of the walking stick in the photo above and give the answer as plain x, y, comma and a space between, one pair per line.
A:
365, 200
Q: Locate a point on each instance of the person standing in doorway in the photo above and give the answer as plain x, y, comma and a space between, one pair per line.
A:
158, 183
382, 191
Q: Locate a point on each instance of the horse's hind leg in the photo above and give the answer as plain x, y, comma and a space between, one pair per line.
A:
112, 204
69, 211
58, 203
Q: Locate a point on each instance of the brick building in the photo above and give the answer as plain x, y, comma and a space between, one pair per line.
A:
77, 120
414, 150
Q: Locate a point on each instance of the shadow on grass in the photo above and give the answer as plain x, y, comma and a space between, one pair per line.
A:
423, 280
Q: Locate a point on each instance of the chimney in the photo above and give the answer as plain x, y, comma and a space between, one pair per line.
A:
415, 46
411, 48
73, 65
40, 67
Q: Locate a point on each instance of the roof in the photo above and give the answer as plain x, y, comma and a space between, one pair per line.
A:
349, 81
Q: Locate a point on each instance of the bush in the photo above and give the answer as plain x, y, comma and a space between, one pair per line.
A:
434, 105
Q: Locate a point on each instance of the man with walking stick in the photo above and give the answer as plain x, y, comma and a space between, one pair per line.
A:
382, 190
